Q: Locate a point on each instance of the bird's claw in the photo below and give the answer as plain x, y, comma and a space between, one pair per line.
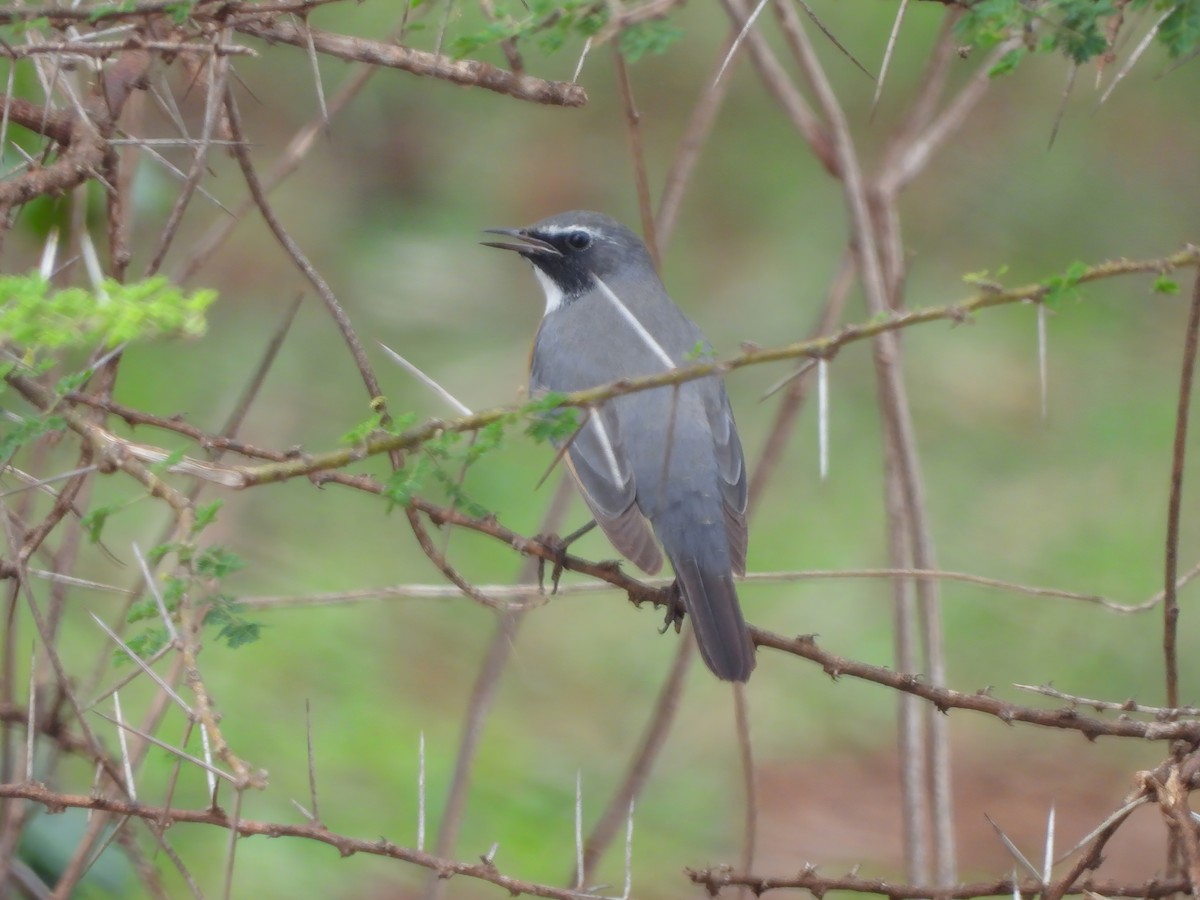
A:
675, 610
558, 548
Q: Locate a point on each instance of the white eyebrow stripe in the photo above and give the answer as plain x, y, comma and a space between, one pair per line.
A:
655, 347
610, 454
555, 230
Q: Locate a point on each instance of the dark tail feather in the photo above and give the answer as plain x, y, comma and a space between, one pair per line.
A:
721, 631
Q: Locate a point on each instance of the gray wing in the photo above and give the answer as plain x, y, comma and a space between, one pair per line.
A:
601, 467
731, 466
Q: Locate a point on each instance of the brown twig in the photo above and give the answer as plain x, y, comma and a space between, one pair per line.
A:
641, 762
466, 72
637, 154
811, 880
483, 694
780, 85
347, 846
1175, 504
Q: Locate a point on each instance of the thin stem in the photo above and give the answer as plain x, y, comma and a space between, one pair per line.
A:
1175, 504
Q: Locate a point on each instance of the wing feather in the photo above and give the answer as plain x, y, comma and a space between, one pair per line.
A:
601, 468
731, 466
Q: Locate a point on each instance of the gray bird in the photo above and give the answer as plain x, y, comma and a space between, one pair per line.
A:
663, 463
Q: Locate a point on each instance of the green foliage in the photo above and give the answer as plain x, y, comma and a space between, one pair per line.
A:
376, 423
1080, 30
405, 482
179, 12
36, 317
446, 461
1008, 62
547, 24
1165, 285
206, 515
217, 562
1180, 30
550, 25
198, 577
26, 429
654, 36
171, 459
94, 520
1061, 287
988, 22
1080, 33
549, 420
234, 628
985, 279
145, 644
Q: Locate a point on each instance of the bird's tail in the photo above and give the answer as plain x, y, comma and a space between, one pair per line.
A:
711, 600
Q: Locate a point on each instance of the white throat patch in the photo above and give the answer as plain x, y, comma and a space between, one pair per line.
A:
554, 294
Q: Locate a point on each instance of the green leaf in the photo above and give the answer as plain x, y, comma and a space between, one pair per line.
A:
648, 37
1080, 32
363, 430
487, 439
1180, 30
206, 515
145, 644
1060, 287
1165, 285
404, 483
171, 459
1007, 63
549, 420
37, 318
235, 629
27, 429
494, 33
217, 562
94, 521
988, 22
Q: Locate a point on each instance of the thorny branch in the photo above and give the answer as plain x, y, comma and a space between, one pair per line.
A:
825, 347
346, 846
83, 141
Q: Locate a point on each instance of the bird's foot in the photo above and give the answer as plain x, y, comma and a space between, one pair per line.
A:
675, 610
558, 549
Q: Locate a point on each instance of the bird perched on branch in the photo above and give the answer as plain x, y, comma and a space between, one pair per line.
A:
665, 462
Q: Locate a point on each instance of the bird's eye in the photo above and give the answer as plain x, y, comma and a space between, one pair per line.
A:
579, 240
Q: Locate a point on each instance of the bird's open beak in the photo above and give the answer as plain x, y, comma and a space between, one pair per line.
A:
522, 243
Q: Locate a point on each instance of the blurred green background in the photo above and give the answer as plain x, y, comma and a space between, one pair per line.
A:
389, 205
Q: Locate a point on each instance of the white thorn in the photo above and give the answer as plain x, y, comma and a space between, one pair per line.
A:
30, 730
737, 43
49, 254
208, 772
587, 46
578, 829
92, 262
124, 747
152, 586
823, 416
1048, 861
628, 855
1041, 333
461, 408
421, 793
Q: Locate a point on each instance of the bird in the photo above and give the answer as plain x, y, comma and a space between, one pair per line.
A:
657, 467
